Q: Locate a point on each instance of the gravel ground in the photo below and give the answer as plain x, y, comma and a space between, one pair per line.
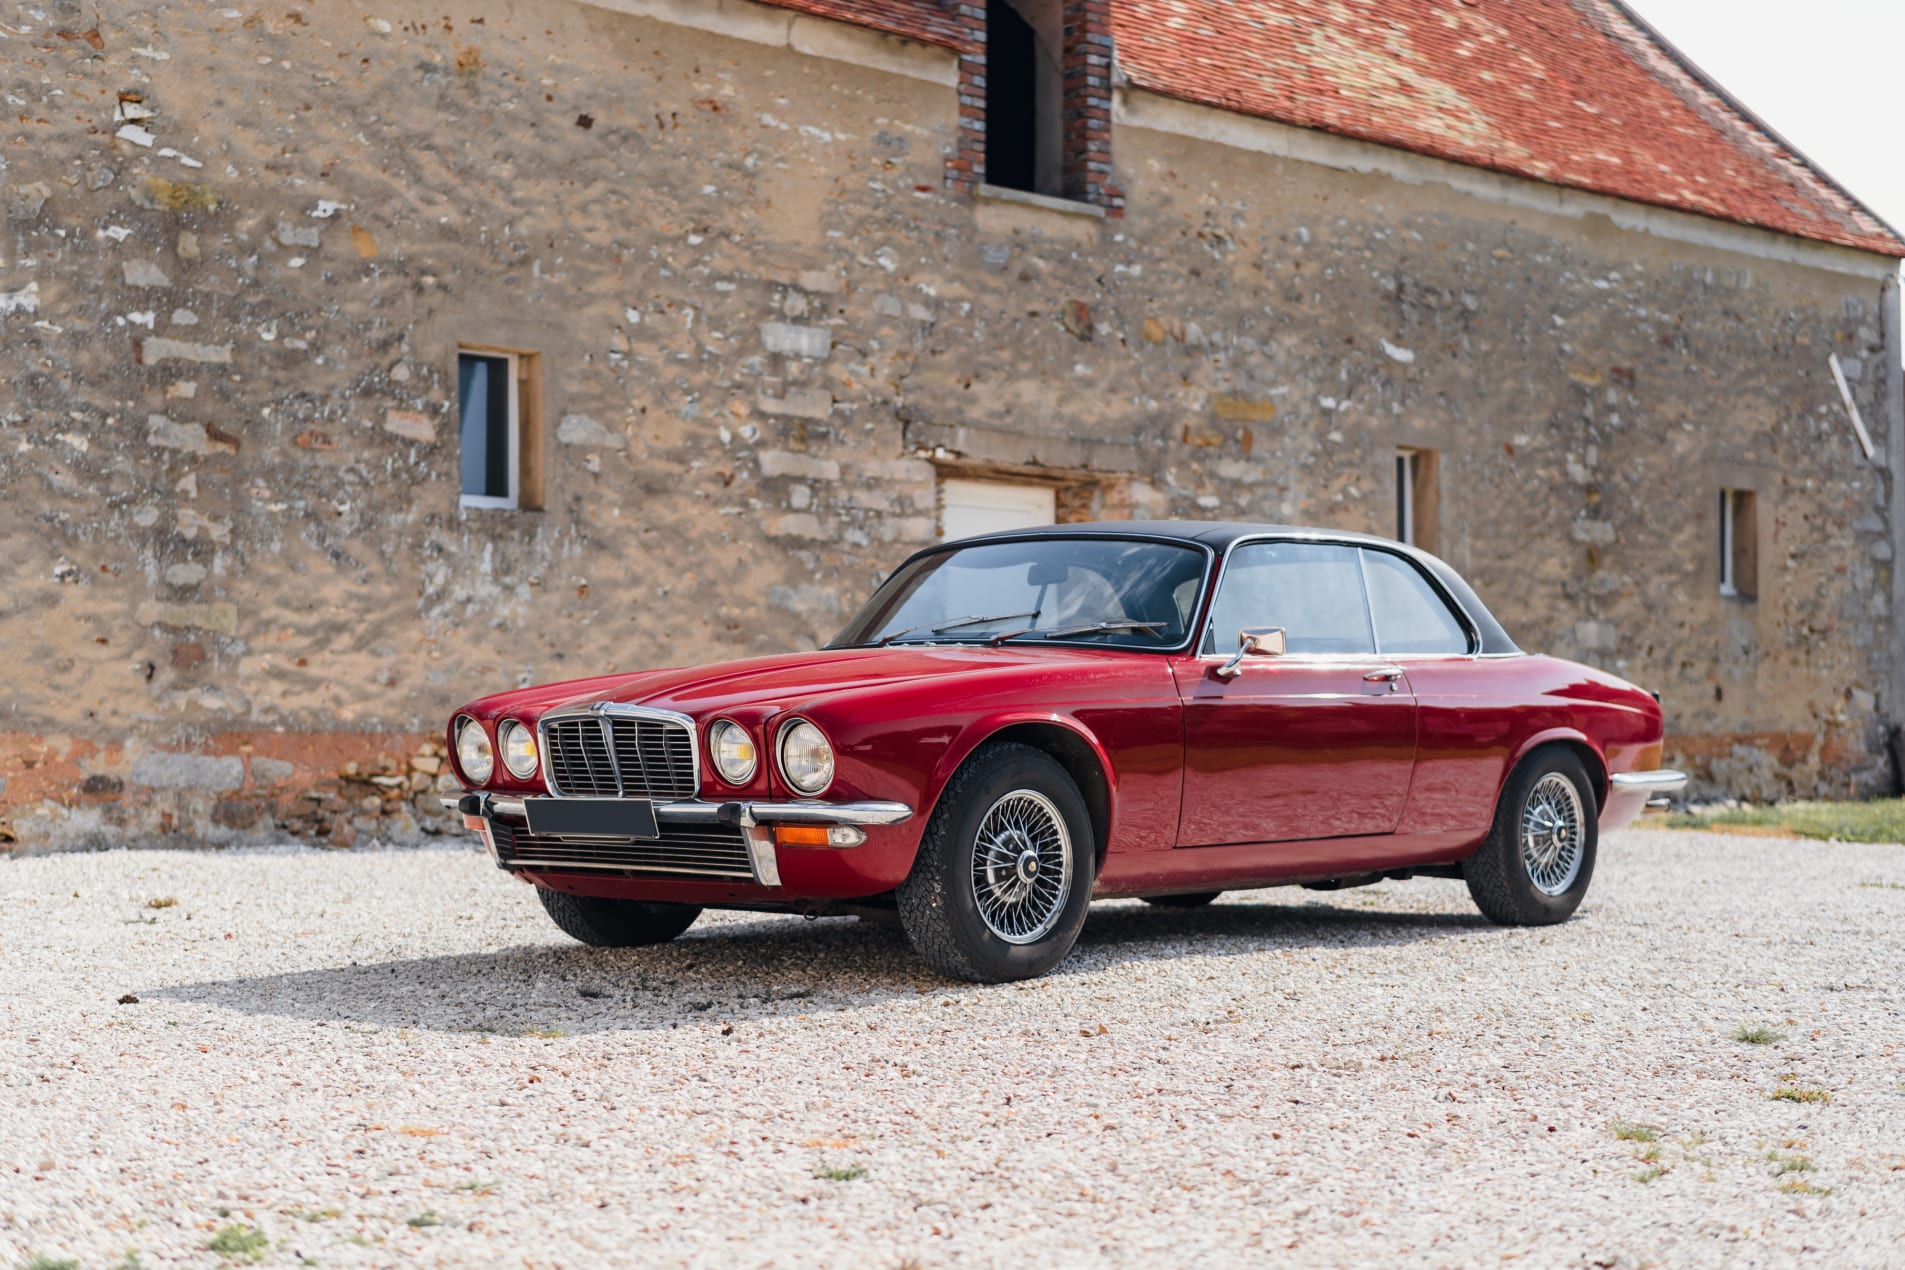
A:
385, 1057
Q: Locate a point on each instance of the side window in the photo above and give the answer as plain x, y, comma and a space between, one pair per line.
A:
1410, 617
1313, 591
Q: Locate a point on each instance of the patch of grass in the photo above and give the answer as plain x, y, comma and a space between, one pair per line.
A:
1799, 1093
1649, 1173
1884, 886
315, 1214
1648, 1154
239, 1243
1795, 1186
1784, 1164
1634, 1131
477, 1188
40, 1261
544, 1033
1757, 1034
424, 1220
1880, 820
852, 1173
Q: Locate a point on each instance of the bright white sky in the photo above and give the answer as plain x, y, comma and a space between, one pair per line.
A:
1821, 73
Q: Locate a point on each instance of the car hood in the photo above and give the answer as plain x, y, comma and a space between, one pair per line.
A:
788, 680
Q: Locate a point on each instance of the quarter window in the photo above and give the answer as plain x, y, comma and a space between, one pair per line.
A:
1409, 616
1314, 591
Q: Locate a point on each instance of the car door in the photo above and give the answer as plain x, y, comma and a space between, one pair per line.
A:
1465, 724
1318, 742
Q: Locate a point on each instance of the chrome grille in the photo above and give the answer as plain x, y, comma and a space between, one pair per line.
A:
580, 764
595, 756
694, 850
657, 758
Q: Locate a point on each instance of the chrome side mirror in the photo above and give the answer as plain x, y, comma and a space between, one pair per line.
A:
1258, 641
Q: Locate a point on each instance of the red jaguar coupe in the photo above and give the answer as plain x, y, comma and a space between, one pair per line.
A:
1016, 724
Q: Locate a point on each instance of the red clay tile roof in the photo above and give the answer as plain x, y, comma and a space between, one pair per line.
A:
1571, 92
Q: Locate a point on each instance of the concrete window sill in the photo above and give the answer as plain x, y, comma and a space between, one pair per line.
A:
1045, 202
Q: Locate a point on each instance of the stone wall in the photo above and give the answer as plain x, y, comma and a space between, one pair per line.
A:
243, 246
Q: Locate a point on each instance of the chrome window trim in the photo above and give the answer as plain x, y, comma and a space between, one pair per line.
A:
1469, 625
604, 711
1192, 636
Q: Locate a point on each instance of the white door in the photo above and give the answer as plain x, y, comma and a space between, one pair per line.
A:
990, 507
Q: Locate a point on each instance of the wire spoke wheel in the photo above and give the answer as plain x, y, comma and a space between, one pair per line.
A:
1022, 867
1553, 834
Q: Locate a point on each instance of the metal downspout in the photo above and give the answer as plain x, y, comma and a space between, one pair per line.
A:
1893, 709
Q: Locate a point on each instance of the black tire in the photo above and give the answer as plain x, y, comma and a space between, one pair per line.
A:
605, 923
939, 902
1499, 877
1198, 900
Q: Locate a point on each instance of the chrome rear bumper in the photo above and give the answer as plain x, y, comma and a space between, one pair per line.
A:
1656, 784
1629, 793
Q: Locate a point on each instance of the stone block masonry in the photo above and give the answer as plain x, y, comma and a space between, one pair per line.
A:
242, 597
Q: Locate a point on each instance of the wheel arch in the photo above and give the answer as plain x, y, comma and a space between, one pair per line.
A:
1566, 739
1068, 743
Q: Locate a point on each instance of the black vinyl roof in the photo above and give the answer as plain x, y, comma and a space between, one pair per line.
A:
1221, 535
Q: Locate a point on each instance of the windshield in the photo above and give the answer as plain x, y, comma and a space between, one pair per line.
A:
1042, 590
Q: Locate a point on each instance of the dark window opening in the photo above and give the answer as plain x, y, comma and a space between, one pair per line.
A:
1011, 98
1025, 95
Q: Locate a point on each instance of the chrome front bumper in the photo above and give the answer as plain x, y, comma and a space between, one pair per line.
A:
744, 814
754, 819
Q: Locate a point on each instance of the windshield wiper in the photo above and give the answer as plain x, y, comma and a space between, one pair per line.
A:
1088, 628
940, 628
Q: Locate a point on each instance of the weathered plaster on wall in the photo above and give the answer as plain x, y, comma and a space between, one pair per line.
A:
228, 442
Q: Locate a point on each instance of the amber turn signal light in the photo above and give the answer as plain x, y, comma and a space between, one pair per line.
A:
818, 836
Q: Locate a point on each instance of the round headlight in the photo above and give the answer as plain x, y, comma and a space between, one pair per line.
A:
733, 751
519, 749
806, 758
473, 752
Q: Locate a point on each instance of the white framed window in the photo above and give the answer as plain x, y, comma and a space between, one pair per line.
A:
1405, 496
969, 507
490, 427
1417, 504
1739, 544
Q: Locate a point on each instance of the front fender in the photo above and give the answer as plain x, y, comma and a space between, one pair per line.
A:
985, 727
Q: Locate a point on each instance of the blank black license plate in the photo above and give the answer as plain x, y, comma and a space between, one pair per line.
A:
592, 817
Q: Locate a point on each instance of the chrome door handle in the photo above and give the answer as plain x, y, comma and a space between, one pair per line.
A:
1387, 675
